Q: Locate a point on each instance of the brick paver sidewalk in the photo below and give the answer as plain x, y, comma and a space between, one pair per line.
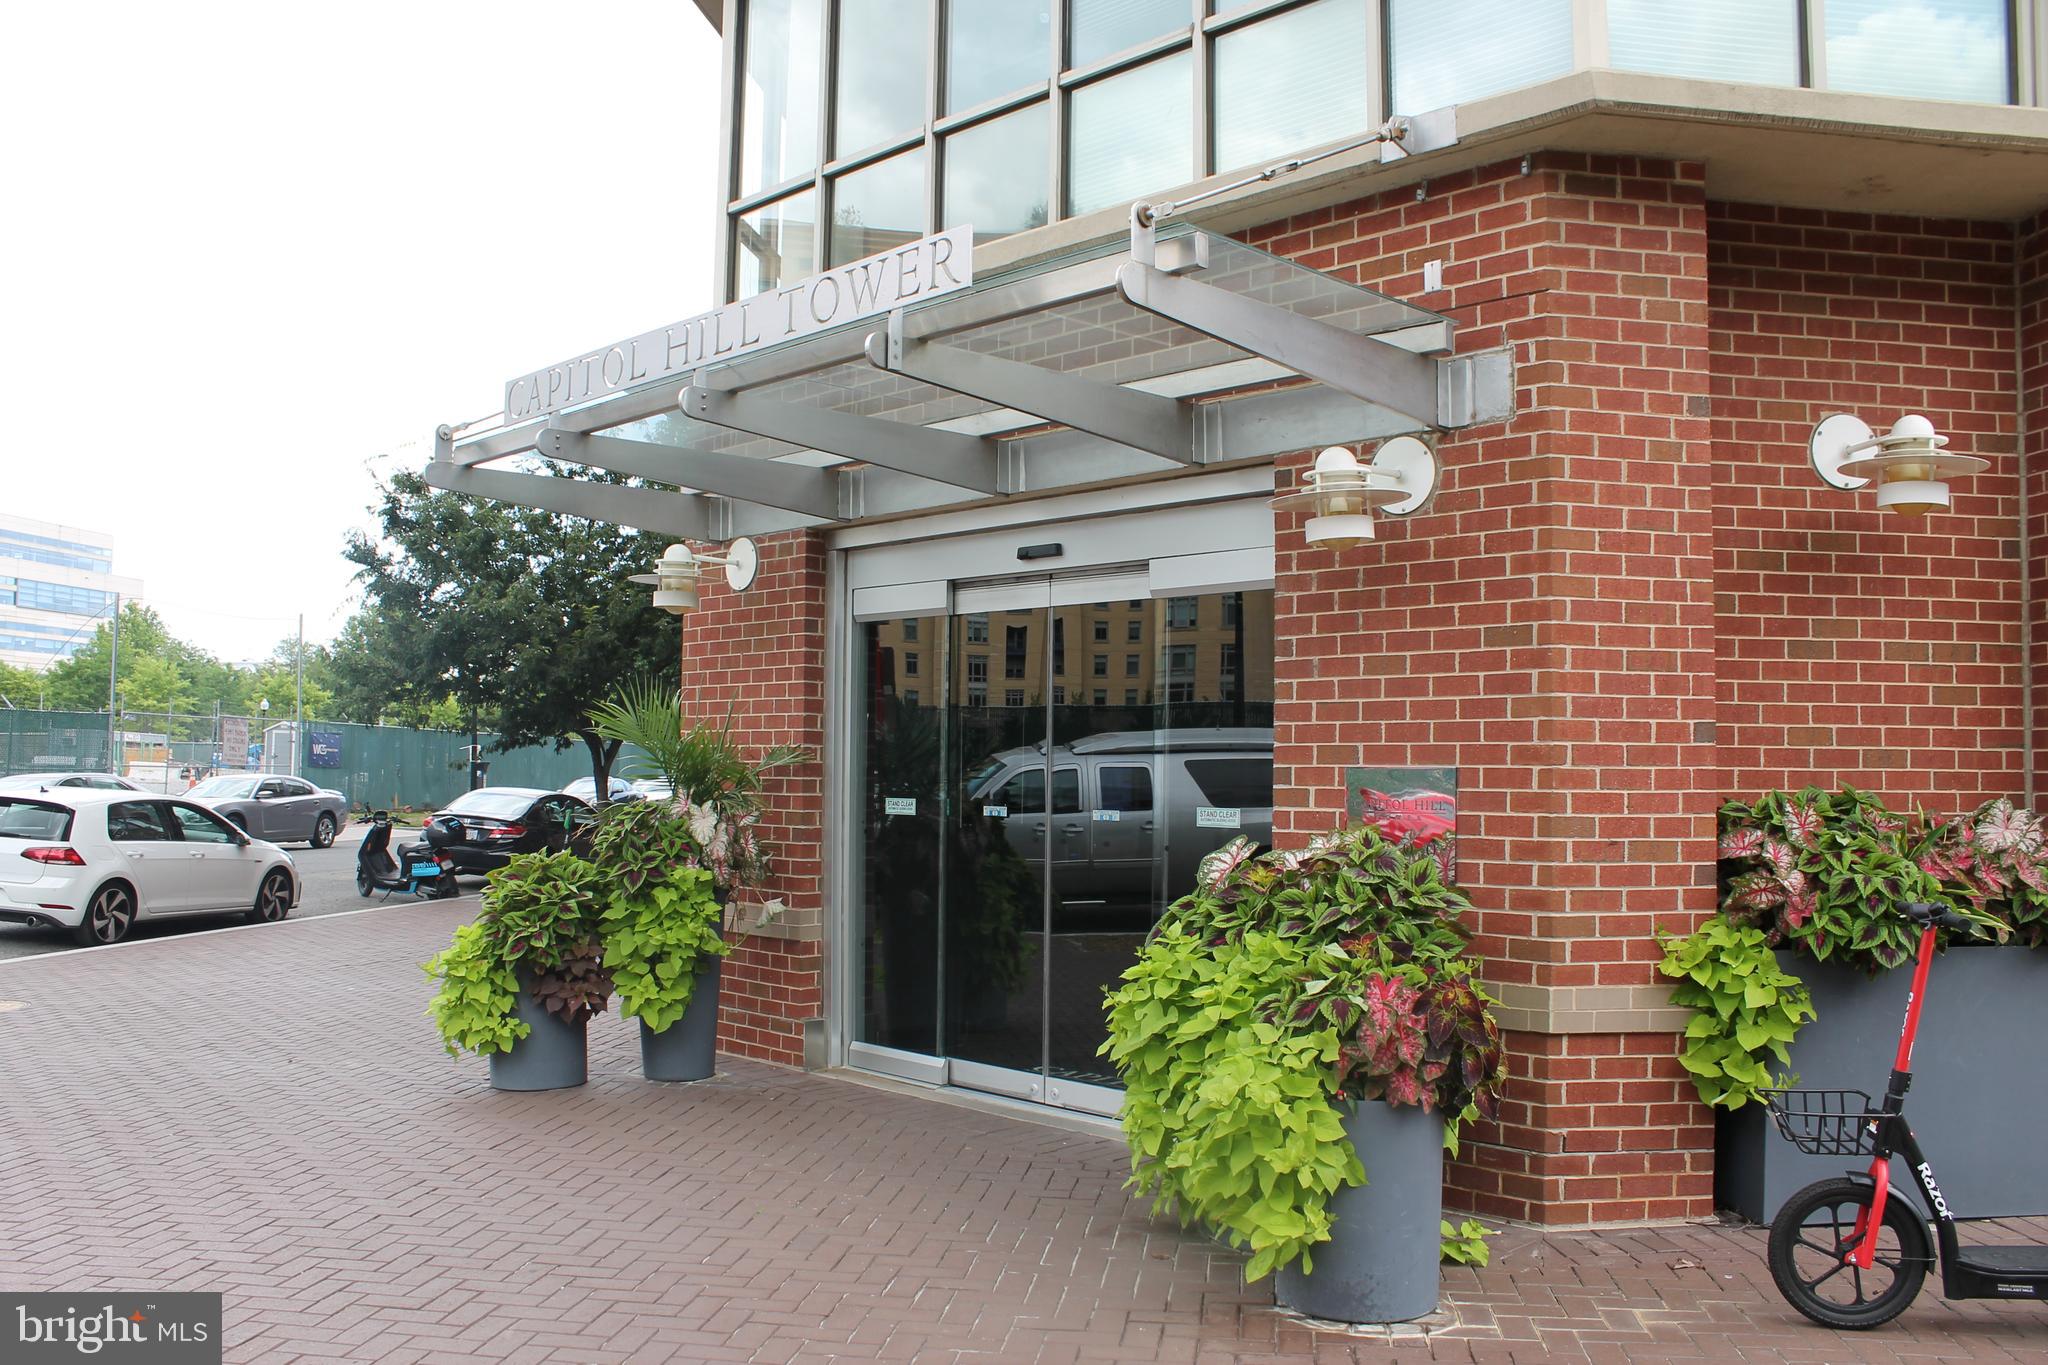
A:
266, 1113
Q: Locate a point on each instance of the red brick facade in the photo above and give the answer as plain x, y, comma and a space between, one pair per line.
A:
1632, 599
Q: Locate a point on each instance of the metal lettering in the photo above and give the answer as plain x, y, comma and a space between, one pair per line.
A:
614, 374
942, 252
817, 288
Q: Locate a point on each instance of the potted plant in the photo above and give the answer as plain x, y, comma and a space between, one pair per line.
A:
1299, 1041
666, 858
663, 936
519, 985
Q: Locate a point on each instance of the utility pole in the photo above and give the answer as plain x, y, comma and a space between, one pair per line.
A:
299, 703
113, 674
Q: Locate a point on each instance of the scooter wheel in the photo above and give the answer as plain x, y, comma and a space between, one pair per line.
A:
1814, 1230
365, 887
448, 890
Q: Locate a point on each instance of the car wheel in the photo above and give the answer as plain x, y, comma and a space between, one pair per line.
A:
323, 832
273, 898
239, 821
108, 918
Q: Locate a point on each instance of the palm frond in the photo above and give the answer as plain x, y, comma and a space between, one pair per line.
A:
703, 763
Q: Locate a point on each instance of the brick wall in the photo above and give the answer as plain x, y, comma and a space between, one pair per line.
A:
1854, 645
1546, 627
763, 654
2033, 368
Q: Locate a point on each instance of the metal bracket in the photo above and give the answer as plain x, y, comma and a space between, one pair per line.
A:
1476, 388
943, 456
681, 516
794, 488
1143, 421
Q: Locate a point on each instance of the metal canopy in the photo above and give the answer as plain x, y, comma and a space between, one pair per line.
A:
1087, 369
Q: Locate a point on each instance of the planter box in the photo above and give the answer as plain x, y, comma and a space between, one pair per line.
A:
1976, 1105
1382, 1262
686, 1050
554, 1056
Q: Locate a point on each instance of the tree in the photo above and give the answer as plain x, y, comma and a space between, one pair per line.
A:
516, 613
19, 687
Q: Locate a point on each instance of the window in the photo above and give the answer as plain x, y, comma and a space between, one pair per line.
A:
61, 597
1920, 49
779, 92
1102, 665
910, 696
877, 207
196, 826
294, 787
1233, 605
880, 75
1101, 696
977, 668
24, 819
1246, 783
977, 695
909, 664
1226, 673
1180, 674
990, 178
1290, 82
910, 627
1732, 40
1102, 28
1134, 631
1013, 696
270, 790
977, 629
1130, 665
1125, 787
1182, 612
1015, 646
6, 592
1131, 133
1451, 51
1102, 631
1024, 794
1059, 696
776, 244
994, 47
1059, 644
1130, 696
1066, 791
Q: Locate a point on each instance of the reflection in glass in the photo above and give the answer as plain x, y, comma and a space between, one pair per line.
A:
1291, 82
996, 173
779, 95
1098, 28
994, 47
1920, 49
878, 207
1131, 134
776, 244
1450, 51
880, 91
901, 822
1732, 40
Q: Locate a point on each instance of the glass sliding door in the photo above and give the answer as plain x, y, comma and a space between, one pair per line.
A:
1044, 768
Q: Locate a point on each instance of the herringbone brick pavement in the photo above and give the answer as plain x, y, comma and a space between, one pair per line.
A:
266, 1113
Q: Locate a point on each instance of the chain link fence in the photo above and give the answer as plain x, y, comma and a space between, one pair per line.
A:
372, 765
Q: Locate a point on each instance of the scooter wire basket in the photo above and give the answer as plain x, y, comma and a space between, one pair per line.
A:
1824, 1122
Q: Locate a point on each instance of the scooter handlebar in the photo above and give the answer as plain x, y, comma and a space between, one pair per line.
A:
1940, 916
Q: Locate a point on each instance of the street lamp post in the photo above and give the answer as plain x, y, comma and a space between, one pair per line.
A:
113, 674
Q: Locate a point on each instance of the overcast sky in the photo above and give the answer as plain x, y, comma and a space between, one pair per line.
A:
251, 247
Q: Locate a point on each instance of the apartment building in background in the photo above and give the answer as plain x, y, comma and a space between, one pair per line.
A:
57, 582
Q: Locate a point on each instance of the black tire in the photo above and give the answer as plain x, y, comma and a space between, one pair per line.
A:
323, 831
1807, 1239
273, 898
239, 821
448, 890
365, 887
108, 917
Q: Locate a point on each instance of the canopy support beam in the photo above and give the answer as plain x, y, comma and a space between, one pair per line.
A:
681, 515
791, 487
947, 457
1143, 421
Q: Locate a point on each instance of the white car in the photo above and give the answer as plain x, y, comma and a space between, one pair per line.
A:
94, 862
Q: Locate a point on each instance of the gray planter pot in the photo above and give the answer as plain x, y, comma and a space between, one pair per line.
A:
686, 1050
1381, 1262
553, 1056
1974, 1105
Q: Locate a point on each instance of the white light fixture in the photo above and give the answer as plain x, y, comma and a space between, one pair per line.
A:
1908, 462
1342, 494
676, 573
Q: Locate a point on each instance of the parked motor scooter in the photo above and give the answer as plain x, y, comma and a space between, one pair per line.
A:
420, 870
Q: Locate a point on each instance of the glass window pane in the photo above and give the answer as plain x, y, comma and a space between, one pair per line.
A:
997, 173
779, 104
1732, 40
1290, 82
1131, 135
878, 207
881, 73
994, 47
1449, 51
1097, 28
776, 244
1920, 49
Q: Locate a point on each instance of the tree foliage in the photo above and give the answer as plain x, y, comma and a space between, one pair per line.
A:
159, 673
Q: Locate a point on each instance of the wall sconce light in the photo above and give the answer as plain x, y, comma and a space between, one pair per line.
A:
676, 573
1908, 462
1342, 494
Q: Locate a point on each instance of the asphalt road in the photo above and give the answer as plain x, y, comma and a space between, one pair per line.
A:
327, 875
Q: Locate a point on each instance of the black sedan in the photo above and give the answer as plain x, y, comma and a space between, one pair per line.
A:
498, 822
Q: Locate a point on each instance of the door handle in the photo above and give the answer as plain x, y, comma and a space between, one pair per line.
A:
1070, 829
136, 856
196, 853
